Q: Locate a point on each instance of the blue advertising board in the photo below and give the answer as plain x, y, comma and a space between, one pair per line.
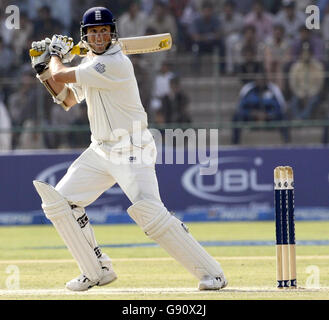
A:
241, 189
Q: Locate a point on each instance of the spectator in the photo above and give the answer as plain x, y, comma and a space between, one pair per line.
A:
315, 43
230, 20
161, 86
58, 9
262, 20
260, 101
276, 55
189, 15
251, 66
174, 105
147, 6
132, 23
247, 39
231, 24
22, 103
5, 127
244, 6
306, 79
206, 33
272, 6
118, 8
162, 21
290, 18
45, 25
162, 81
177, 8
6, 58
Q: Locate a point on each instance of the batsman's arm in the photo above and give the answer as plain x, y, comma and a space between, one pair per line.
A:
70, 99
53, 81
60, 93
60, 73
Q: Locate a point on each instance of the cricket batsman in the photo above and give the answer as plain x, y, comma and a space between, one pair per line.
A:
106, 80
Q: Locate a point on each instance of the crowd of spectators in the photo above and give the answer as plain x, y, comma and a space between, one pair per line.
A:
262, 42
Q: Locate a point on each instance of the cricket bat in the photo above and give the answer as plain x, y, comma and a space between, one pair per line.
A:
133, 45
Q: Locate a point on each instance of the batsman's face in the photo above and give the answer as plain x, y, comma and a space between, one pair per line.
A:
99, 37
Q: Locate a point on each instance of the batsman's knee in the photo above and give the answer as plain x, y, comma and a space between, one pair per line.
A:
54, 204
152, 216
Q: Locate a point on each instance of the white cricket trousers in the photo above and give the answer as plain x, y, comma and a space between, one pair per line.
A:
100, 167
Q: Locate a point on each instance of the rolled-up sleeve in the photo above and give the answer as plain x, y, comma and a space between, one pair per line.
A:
77, 91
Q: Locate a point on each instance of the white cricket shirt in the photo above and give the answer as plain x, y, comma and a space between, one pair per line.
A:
108, 84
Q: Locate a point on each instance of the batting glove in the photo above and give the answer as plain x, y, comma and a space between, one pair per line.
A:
61, 46
41, 62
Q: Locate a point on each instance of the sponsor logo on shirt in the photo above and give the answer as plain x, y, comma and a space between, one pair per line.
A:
99, 67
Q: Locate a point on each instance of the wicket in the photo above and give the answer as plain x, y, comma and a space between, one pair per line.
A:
285, 228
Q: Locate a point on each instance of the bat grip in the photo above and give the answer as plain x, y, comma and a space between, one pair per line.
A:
35, 53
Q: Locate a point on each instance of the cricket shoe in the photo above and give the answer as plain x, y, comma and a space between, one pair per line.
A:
82, 283
208, 283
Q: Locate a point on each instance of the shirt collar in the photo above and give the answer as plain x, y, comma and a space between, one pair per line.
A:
112, 50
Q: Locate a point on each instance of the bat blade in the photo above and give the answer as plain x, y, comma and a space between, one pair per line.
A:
146, 44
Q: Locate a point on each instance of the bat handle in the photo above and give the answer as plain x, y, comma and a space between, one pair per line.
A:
35, 53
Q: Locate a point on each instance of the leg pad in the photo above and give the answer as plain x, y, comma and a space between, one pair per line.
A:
173, 236
59, 212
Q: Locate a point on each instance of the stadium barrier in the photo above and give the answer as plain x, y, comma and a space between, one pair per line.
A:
241, 189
